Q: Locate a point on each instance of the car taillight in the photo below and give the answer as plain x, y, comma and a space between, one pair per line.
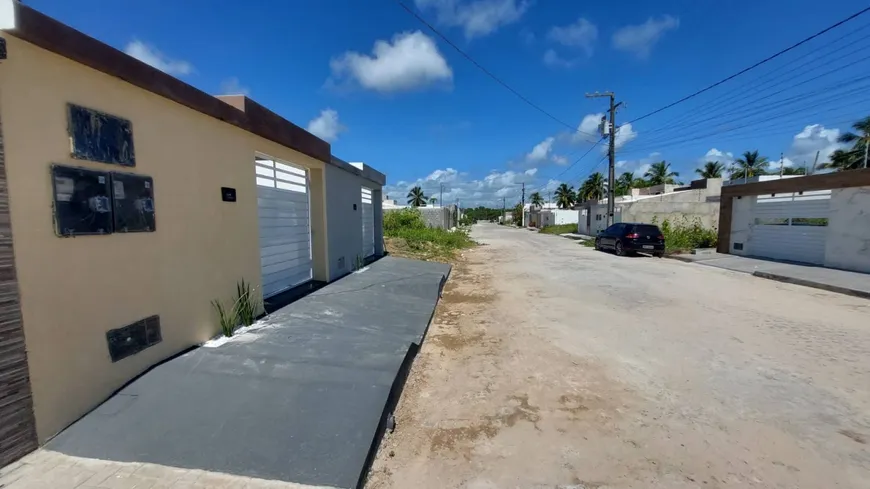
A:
661, 237
632, 236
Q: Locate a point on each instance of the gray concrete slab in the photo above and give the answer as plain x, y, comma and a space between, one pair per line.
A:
298, 400
841, 281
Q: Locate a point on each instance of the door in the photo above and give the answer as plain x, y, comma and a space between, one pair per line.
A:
791, 226
609, 235
368, 223
284, 223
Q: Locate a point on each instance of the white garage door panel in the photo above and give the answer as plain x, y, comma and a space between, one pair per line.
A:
785, 240
284, 226
368, 223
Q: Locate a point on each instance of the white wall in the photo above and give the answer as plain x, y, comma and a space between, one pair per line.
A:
848, 240
741, 219
344, 223
566, 216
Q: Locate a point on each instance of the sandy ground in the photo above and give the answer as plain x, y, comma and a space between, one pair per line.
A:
550, 365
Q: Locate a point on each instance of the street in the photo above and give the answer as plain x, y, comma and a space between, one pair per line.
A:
549, 364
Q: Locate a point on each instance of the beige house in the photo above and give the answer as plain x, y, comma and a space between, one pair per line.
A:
129, 201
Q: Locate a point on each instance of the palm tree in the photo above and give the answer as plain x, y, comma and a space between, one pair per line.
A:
536, 199
433, 201
660, 173
593, 188
861, 140
639, 183
844, 160
416, 198
711, 169
794, 170
749, 165
624, 183
565, 196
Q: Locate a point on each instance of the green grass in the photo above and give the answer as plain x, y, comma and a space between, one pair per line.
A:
408, 235
559, 229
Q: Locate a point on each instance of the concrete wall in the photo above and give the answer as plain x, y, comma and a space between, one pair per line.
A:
435, 217
848, 238
344, 219
73, 290
741, 221
565, 216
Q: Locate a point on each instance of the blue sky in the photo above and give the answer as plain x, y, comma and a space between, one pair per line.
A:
385, 90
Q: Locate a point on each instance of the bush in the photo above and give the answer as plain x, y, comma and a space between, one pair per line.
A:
408, 227
559, 229
402, 219
684, 235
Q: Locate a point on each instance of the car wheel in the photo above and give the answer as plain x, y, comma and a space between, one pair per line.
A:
658, 254
620, 251
597, 245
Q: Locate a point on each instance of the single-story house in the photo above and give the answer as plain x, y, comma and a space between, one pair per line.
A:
129, 201
821, 219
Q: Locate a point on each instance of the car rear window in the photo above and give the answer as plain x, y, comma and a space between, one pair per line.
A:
647, 230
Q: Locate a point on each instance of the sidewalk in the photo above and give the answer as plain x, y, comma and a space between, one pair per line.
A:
833, 280
301, 397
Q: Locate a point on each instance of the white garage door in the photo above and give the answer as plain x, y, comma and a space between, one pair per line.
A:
790, 226
285, 230
368, 223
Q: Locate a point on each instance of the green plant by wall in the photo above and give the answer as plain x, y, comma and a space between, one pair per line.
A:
358, 262
683, 234
228, 317
247, 303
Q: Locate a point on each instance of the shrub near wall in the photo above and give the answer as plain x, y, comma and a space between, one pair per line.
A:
409, 226
685, 235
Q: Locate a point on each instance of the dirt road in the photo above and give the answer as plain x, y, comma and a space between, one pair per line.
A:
551, 365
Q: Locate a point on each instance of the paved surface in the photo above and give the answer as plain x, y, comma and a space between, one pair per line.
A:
297, 400
552, 365
820, 277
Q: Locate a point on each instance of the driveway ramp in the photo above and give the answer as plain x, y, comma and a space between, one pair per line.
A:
298, 399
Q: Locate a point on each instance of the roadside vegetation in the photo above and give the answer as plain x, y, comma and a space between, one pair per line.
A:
559, 229
683, 235
406, 234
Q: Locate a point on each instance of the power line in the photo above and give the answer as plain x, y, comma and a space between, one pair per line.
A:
572, 164
765, 60
486, 71
725, 98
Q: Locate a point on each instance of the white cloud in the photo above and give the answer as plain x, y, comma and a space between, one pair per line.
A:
588, 129
726, 158
232, 86
639, 166
553, 60
477, 18
409, 61
541, 151
488, 190
624, 134
811, 139
559, 160
150, 55
640, 39
581, 34
326, 126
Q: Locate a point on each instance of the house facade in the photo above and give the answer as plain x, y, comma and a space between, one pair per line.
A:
129, 201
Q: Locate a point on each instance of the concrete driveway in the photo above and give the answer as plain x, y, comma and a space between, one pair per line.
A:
554, 365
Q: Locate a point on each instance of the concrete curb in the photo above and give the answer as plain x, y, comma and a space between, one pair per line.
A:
817, 285
682, 259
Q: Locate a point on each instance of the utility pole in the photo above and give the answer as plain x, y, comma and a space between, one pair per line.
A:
524, 205
611, 171
503, 207
781, 166
441, 197
816, 161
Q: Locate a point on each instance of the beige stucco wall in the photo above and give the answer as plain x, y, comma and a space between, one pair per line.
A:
73, 290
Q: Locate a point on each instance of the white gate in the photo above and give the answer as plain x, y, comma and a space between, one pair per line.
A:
790, 226
285, 227
368, 223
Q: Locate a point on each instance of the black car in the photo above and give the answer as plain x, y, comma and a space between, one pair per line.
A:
626, 237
